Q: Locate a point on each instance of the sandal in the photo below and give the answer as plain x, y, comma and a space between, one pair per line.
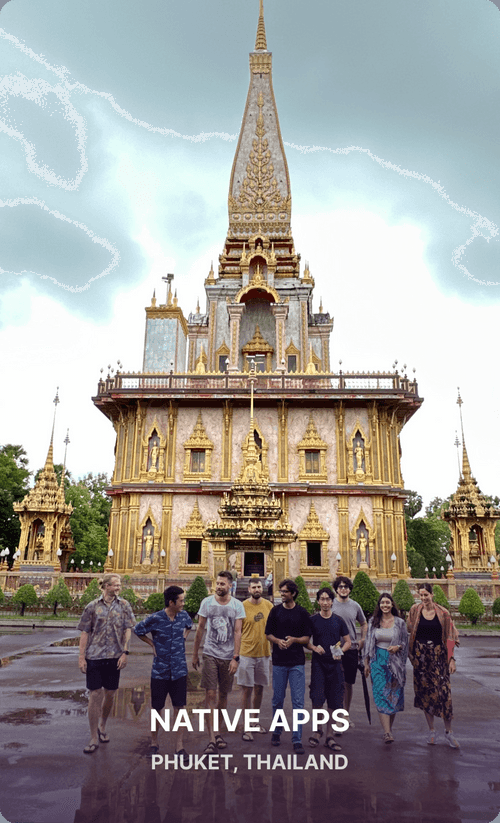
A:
332, 745
220, 742
313, 742
247, 737
91, 748
261, 730
388, 738
103, 737
153, 749
211, 748
183, 755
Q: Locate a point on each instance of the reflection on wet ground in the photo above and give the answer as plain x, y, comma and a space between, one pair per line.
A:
50, 780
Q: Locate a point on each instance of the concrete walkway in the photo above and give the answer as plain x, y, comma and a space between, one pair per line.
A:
48, 779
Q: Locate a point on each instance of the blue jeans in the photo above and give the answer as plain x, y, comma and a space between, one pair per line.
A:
297, 677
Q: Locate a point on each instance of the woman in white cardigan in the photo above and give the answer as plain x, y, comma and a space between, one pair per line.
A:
384, 655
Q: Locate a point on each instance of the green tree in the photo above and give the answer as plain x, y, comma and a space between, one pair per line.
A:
495, 609
416, 562
155, 602
59, 595
91, 592
471, 605
89, 520
14, 474
2, 597
129, 594
303, 598
440, 597
403, 597
413, 505
195, 594
365, 593
429, 537
25, 596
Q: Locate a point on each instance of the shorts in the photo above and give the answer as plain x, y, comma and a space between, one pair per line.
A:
327, 683
215, 674
161, 689
253, 671
103, 674
350, 666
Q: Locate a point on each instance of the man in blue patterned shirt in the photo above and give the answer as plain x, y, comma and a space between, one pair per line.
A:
169, 629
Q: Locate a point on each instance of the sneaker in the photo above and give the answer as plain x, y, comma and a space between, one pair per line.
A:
452, 741
275, 740
431, 738
299, 749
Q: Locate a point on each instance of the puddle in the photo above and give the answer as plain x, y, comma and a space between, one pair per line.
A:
77, 695
34, 717
14, 745
68, 641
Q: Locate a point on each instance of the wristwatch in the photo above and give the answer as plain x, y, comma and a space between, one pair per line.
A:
237, 658
125, 651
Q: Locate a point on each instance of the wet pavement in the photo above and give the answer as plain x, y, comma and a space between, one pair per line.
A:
48, 779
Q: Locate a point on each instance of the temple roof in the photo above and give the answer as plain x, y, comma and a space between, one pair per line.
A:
259, 190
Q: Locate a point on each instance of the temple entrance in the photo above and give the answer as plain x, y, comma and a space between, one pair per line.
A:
253, 564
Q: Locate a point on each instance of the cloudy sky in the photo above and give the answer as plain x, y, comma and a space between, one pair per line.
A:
118, 129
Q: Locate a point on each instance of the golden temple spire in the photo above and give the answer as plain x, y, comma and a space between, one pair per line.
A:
260, 40
466, 470
49, 461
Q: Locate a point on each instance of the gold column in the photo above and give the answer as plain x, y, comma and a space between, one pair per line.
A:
280, 312
211, 338
171, 443
341, 445
235, 311
133, 523
375, 442
227, 439
378, 525
166, 533
282, 442
344, 542
304, 335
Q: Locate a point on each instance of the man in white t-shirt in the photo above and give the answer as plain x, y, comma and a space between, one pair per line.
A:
222, 615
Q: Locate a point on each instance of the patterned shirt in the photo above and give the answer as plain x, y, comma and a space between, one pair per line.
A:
221, 619
106, 626
168, 637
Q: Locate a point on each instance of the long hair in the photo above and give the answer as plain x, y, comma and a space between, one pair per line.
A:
377, 614
426, 586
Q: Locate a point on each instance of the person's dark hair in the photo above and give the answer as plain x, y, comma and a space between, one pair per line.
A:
377, 614
426, 586
227, 575
342, 579
291, 586
171, 594
325, 590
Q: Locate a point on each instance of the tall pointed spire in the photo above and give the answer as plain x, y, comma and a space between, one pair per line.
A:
466, 470
260, 40
49, 461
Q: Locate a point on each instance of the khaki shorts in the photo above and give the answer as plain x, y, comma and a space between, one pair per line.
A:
215, 674
253, 671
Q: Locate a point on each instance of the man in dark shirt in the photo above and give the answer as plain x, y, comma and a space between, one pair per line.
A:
169, 629
288, 629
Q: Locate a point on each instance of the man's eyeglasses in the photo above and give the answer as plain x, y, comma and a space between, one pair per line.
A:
342, 586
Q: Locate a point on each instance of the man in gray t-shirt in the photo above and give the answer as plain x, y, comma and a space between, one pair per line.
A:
222, 615
352, 613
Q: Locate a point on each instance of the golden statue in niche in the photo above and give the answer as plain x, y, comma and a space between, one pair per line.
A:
362, 547
153, 458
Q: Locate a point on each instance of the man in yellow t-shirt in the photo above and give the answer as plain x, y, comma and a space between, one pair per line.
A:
255, 651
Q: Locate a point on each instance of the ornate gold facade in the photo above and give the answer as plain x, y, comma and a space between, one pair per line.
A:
304, 477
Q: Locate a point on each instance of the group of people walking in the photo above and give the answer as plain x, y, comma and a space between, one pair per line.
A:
242, 638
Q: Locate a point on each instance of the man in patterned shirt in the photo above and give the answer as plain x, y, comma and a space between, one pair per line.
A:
105, 627
169, 629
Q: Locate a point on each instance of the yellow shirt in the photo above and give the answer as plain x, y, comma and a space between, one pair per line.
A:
253, 637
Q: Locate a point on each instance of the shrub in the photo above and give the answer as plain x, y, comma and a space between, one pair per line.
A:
303, 598
440, 597
195, 594
495, 609
365, 593
25, 596
129, 594
416, 562
91, 592
155, 602
59, 595
2, 597
403, 597
471, 605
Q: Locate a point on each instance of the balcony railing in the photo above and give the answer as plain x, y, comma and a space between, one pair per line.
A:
263, 382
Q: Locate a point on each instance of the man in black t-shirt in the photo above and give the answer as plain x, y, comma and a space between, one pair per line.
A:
288, 629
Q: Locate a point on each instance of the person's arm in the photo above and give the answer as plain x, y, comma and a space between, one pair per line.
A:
346, 640
82, 648
146, 639
122, 660
364, 629
202, 622
233, 665
279, 641
302, 641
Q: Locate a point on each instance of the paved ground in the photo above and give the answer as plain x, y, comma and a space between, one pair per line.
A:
47, 778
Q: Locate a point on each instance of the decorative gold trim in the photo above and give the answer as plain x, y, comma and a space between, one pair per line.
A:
365, 545
221, 351
149, 460
282, 442
198, 440
227, 434
312, 442
141, 565
359, 458
313, 531
257, 345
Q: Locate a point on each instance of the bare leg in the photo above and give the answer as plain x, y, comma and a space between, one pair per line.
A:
391, 719
246, 696
317, 734
430, 721
347, 696
447, 725
107, 705
385, 722
210, 698
179, 735
258, 691
94, 713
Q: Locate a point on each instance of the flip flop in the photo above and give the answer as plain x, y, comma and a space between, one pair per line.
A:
210, 748
247, 737
103, 737
182, 753
91, 748
332, 745
220, 742
262, 730
313, 742
153, 750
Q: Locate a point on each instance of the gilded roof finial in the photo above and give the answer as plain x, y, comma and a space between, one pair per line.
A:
466, 471
260, 40
321, 305
153, 299
197, 305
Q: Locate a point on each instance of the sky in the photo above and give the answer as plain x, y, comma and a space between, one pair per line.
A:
118, 126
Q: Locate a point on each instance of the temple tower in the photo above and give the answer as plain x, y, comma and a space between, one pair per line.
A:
252, 454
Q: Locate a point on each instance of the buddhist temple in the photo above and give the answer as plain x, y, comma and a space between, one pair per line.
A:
237, 446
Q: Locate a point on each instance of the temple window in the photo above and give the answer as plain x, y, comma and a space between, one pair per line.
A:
312, 461
193, 552
197, 460
314, 553
292, 363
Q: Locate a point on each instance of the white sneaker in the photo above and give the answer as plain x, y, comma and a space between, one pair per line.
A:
351, 724
452, 741
431, 738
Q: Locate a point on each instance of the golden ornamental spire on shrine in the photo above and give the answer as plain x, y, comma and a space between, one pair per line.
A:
260, 40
